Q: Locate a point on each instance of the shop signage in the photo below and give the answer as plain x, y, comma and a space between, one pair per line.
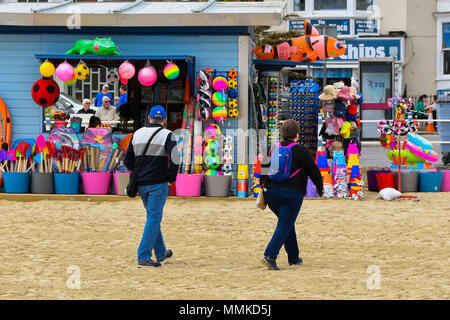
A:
366, 26
372, 48
342, 25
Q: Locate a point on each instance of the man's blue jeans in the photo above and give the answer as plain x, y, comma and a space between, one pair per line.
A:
154, 197
286, 204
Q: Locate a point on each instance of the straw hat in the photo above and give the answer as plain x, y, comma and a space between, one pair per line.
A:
354, 93
328, 93
336, 146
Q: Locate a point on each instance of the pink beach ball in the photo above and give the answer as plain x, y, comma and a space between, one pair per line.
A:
126, 70
147, 76
65, 72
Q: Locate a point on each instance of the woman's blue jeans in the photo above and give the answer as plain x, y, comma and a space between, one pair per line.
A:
286, 203
154, 198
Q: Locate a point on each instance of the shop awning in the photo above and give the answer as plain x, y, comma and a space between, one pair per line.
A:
277, 65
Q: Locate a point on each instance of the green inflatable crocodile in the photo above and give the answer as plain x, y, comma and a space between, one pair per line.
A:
100, 46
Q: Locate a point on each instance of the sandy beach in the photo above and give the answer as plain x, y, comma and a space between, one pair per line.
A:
218, 245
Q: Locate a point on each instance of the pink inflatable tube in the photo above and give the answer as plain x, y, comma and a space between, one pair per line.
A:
428, 155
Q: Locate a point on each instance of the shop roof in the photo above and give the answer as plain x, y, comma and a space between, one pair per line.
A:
144, 14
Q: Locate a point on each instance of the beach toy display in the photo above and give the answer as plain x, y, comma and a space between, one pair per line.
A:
421, 147
242, 181
204, 93
340, 176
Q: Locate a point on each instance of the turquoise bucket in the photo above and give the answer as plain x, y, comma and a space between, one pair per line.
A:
16, 182
430, 181
67, 183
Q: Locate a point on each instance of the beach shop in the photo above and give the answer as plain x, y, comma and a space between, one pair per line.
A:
189, 37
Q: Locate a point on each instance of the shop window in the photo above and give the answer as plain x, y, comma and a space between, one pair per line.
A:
363, 4
299, 5
330, 4
447, 62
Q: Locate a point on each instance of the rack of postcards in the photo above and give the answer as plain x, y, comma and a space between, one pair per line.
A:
303, 108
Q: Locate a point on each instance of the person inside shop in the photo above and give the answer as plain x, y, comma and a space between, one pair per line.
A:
124, 109
287, 88
86, 107
158, 171
285, 198
94, 122
116, 102
106, 112
101, 94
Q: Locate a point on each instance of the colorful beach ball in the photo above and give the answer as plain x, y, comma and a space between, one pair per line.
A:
211, 172
212, 131
81, 71
220, 84
45, 92
47, 69
71, 82
147, 76
212, 146
219, 113
212, 162
171, 71
219, 99
126, 70
64, 71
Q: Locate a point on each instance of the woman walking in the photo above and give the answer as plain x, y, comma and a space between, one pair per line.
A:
285, 196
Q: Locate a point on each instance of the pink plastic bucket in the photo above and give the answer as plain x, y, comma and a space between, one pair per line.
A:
96, 182
445, 186
188, 185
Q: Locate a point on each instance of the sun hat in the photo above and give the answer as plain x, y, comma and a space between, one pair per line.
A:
344, 93
328, 93
352, 109
328, 105
339, 109
345, 130
158, 113
354, 93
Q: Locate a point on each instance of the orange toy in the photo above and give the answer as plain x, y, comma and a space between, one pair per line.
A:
309, 48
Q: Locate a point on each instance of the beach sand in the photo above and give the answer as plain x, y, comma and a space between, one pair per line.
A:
218, 245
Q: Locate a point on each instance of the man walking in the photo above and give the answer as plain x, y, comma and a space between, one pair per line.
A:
159, 170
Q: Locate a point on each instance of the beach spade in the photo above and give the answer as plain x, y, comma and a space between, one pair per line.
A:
40, 143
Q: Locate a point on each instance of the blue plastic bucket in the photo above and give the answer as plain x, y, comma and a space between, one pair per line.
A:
16, 182
430, 181
67, 183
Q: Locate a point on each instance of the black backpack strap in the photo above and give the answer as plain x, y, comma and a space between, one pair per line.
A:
139, 165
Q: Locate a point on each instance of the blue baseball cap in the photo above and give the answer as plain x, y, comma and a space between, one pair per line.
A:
158, 113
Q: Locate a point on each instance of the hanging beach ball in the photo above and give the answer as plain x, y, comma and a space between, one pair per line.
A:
171, 71
71, 82
219, 99
212, 131
47, 69
212, 162
81, 71
45, 92
232, 103
147, 76
233, 113
219, 113
112, 77
220, 84
232, 84
126, 70
212, 146
65, 71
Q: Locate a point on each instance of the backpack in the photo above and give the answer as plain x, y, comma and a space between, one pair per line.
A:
281, 162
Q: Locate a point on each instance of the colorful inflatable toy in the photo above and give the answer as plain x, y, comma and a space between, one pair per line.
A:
171, 71
47, 69
421, 147
100, 46
219, 99
45, 92
220, 84
81, 71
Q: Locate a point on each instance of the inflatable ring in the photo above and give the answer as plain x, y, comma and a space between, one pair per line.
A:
232, 74
232, 84
427, 154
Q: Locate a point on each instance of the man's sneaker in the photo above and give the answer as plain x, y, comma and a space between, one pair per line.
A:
169, 253
299, 262
148, 264
271, 263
